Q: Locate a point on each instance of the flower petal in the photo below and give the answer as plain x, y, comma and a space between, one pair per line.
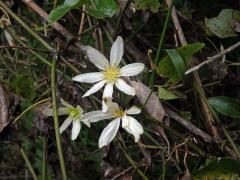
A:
95, 88
65, 124
76, 127
96, 116
132, 69
109, 133
125, 121
124, 87
97, 58
134, 128
66, 104
107, 93
108, 105
116, 52
89, 77
133, 110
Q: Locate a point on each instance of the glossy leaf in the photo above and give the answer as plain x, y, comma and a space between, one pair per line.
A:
226, 106
221, 25
58, 12
167, 68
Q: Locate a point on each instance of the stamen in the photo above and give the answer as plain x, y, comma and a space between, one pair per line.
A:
119, 113
111, 74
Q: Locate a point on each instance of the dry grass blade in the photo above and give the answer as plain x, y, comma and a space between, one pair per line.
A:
3, 109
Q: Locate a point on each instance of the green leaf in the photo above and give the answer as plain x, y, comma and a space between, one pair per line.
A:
177, 61
221, 25
218, 167
168, 69
165, 94
104, 8
58, 12
226, 106
153, 5
63, 9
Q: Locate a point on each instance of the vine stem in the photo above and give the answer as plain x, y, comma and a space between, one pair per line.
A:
55, 118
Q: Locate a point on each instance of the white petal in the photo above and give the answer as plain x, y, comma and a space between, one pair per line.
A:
66, 104
116, 52
96, 116
133, 110
124, 87
76, 127
107, 94
125, 121
85, 121
89, 77
108, 105
132, 69
65, 124
109, 133
97, 58
134, 128
94, 88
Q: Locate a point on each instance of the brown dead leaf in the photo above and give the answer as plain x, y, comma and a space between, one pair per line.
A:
153, 106
3, 109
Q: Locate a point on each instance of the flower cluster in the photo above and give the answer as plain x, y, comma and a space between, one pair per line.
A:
110, 75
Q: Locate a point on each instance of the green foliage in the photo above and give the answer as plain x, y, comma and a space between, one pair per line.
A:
153, 5
103, 9
174, 64
166, 94
221, 25
100, 9
226, 106
23, 85
218, 167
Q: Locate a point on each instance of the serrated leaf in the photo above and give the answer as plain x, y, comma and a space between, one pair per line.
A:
219, 167
226, 106
103, 9
221, 25
166, 94
166, 66
153, 5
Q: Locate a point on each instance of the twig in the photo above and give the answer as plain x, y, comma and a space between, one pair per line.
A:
24, 48
213, 58
191, 127
206, 111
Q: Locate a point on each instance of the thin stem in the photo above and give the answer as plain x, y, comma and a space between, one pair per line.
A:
29, 108
28, 163
55, 118
160, 46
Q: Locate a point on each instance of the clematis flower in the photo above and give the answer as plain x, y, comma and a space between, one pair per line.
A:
76, 117
110, 73
130, 124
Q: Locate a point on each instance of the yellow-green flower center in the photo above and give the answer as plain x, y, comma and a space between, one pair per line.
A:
75, 113
111, 74
119, 113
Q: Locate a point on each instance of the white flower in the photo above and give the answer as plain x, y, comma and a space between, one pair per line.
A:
111, 73
130, 124
76, 116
